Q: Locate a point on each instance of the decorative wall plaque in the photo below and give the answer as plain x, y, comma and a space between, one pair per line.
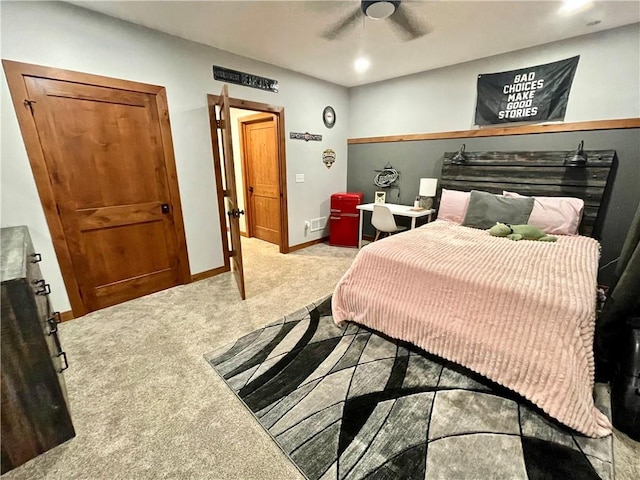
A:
305, 136
328, 157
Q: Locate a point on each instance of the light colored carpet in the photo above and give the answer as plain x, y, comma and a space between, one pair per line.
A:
144, 402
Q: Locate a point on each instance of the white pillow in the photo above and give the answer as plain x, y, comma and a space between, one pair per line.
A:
555, 215
453, 205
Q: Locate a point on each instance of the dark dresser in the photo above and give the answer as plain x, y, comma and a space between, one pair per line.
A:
35, 414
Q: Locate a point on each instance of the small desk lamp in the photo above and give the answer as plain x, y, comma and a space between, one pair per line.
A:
427, 192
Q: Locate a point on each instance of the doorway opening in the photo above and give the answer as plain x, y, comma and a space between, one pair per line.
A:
255, 146
250, 168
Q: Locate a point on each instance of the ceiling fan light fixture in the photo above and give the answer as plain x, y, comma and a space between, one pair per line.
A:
379, 9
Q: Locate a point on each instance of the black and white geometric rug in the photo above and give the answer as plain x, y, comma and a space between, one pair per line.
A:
348, 404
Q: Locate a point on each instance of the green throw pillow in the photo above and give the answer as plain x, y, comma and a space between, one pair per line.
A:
485, 209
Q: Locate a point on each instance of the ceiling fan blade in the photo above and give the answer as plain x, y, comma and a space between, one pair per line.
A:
407, 27
343, 26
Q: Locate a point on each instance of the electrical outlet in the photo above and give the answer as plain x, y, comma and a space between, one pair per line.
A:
299, 177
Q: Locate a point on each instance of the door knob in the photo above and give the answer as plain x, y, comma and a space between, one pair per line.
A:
251, 189
235, 213
165, 208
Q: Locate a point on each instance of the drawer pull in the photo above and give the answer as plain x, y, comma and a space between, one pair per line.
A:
44, 288
53, 322
60, 353
66, 362
53, 328
36, 257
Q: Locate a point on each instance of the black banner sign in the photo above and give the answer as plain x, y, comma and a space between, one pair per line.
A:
531, 94
244, 79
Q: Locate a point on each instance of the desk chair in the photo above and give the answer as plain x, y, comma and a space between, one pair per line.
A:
383, 221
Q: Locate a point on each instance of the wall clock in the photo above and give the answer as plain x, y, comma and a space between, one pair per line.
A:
329, 117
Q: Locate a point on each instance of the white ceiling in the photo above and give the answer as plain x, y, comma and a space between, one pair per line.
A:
289, 33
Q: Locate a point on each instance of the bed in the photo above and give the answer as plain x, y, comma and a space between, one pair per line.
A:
521, 313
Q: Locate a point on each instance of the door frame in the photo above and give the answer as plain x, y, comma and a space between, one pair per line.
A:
242, 121
15, 73
278, 112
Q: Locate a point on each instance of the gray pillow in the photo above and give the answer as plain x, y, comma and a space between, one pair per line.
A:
485, 209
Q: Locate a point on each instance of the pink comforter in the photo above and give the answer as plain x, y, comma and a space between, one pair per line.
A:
520, 313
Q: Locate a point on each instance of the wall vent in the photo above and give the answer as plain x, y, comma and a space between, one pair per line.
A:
318, 224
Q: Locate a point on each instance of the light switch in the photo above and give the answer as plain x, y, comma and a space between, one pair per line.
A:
299, 177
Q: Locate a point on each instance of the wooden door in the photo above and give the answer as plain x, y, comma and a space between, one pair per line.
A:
260, 155
107, 163
221, 133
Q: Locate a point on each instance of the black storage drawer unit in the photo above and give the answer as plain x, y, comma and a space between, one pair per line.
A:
35, 415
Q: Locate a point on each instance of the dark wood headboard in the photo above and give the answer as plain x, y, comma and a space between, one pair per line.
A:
535, 173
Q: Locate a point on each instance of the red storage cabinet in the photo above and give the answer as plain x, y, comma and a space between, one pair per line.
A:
344, 219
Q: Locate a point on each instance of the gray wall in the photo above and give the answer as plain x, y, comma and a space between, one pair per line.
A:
606, 86
424, 159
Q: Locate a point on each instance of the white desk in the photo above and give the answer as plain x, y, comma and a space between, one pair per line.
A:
402, 210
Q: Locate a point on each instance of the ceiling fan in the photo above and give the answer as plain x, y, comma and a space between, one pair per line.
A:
395, 11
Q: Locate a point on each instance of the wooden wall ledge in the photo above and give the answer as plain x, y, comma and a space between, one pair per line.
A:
503, 131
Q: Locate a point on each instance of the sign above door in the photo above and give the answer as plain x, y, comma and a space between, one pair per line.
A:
245, 79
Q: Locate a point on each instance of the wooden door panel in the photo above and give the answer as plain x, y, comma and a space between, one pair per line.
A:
269, 226
115, 146
223, 153
105, 157
92, 93
264, 180
131, 288
263, 165
92, 218
271, 218
265, 190
122, 252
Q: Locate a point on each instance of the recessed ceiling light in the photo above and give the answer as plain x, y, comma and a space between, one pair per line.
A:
361, 64
574, 6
